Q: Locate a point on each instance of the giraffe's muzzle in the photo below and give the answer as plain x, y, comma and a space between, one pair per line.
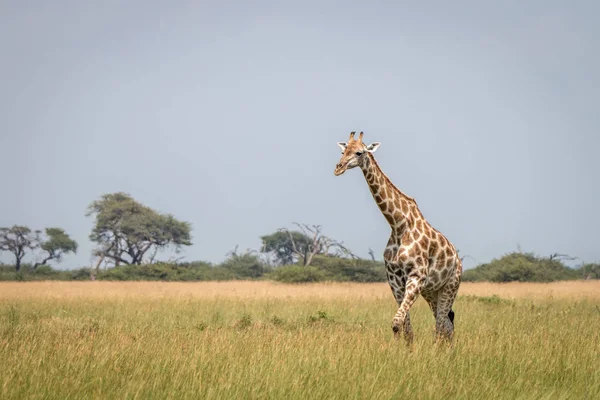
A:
340, 169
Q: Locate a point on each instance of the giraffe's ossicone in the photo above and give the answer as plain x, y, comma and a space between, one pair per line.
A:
419, 260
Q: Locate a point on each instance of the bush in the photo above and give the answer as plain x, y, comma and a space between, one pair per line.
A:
590, 271
44, 270
521, 267
81, 274
7, 272
27, 273
196, 271
345, 269
298, 274
245, 266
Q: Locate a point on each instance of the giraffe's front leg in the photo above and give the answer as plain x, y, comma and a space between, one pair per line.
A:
397, 281
414, 284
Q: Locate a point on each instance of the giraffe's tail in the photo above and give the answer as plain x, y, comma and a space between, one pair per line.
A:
451, 316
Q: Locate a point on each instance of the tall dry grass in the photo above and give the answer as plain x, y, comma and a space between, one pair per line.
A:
261, 289
267, 340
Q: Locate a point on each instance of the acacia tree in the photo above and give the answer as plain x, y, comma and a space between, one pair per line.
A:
126, 231
289, 246
56, 246
17, 240
280, 245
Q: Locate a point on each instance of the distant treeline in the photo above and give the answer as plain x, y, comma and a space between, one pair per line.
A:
516, 266
129, 238
235, 267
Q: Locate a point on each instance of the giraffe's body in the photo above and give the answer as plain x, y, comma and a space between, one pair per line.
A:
419, 260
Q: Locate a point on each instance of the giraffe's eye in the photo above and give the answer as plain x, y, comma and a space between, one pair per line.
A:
359, 153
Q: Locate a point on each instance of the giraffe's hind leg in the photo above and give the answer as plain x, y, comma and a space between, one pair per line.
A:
431, 298
408, 331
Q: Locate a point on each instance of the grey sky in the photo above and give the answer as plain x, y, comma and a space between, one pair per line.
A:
227, 115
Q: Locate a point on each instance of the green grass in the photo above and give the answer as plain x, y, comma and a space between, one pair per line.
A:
221, 346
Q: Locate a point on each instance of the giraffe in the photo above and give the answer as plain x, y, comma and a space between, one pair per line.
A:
419, 260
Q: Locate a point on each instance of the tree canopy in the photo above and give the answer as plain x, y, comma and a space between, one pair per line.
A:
290, 246
57, 244
281, 245
128, 232
17, 240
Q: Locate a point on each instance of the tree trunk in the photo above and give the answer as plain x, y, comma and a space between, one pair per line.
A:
18, 264
37, 264
309, 260
96, 270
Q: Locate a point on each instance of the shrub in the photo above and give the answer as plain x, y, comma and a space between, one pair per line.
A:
590, 271
353, 270
244, 266
194, 271
44, 270
521, 267
7, 272
81, 274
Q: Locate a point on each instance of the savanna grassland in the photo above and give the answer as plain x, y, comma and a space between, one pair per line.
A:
230, 340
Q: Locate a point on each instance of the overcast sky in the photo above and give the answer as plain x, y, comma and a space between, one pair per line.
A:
227, 114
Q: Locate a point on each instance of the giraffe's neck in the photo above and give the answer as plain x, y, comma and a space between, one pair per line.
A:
398, 209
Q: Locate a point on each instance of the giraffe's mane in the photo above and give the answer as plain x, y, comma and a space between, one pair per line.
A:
389, 182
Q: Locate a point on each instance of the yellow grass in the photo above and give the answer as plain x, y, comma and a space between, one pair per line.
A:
160, 340
257, 290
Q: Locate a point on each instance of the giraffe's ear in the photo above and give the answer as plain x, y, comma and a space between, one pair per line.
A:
373, 147
342, 145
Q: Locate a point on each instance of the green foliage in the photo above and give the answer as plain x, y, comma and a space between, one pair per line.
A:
353, 270
7, 272
521, 267
288, 247
244, 266
329, 268
81, 274
590, 271
56, 245
127, 231
44, 270
280, 245
195, 271
18, 240
28, 273
236, 266
512, 267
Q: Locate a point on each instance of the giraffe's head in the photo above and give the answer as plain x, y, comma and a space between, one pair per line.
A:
353, 153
